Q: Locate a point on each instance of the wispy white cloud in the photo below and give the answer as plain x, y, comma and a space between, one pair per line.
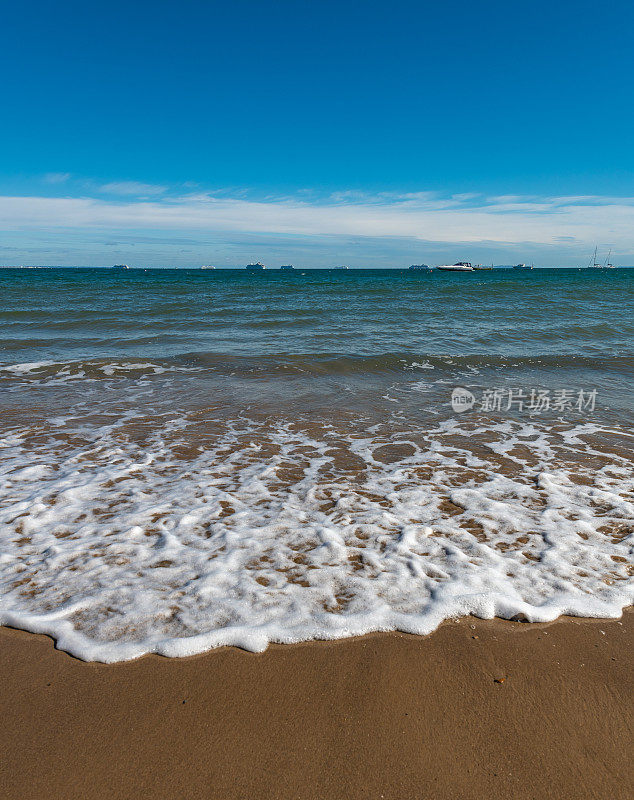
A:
132, 188
56, 177
424, 216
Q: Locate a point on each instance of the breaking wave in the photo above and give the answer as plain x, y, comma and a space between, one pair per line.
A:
175, 536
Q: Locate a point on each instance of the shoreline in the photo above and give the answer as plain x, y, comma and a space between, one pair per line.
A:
479, 708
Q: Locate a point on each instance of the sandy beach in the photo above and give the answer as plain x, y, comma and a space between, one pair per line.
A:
316, 401
478, 709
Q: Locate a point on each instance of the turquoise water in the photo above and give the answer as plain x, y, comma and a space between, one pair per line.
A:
88, 313
197, 458
307, 336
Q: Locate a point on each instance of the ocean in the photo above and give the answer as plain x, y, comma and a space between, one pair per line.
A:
190, 458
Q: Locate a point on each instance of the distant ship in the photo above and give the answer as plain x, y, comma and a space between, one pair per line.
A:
420, 268
287, 267
121, 266
255, 267
208, 267
481, 267
340, 267
459, 266
523, 266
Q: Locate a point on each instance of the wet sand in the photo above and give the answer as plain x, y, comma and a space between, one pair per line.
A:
479, 709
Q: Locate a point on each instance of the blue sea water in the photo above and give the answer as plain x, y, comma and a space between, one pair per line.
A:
191, 458
550, 328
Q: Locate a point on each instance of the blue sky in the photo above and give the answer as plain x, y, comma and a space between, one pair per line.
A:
331, 132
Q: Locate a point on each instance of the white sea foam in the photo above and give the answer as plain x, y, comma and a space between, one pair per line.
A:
53, 374
112, 369
119, 544
25, 368
417, 365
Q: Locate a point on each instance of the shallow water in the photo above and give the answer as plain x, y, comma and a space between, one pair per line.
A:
190, 458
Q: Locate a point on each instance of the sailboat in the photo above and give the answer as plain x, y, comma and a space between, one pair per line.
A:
608, 264
595, 264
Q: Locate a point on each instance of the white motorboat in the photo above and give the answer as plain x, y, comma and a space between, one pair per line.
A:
459, 266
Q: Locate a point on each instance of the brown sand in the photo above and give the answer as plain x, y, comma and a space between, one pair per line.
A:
477, 710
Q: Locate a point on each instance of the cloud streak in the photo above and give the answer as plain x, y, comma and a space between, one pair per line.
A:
56, 177
470, 219
132, 188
